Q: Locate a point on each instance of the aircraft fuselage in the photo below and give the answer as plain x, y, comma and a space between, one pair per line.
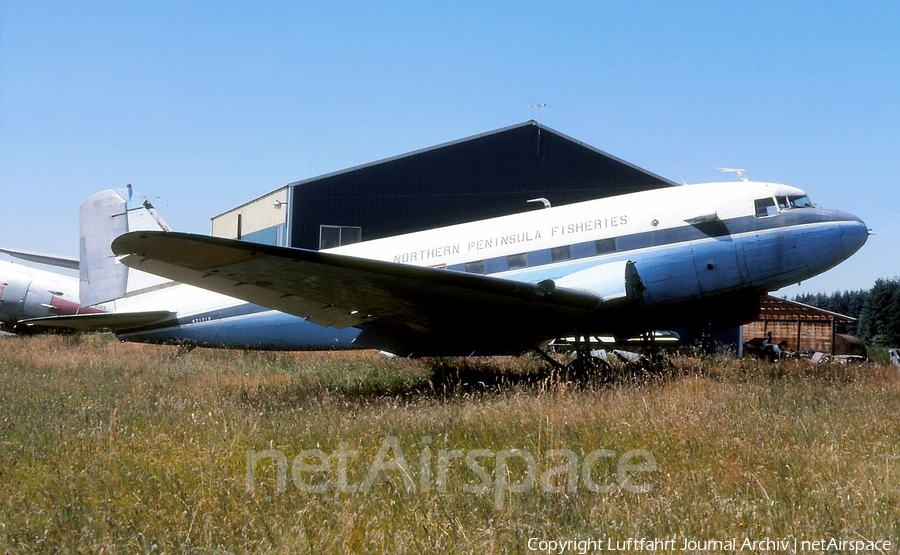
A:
689, 245
695, 255
30, 293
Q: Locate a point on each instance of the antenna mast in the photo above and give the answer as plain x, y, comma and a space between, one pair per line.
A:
738, 171
540, 108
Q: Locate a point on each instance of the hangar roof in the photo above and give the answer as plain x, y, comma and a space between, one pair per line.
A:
530, 124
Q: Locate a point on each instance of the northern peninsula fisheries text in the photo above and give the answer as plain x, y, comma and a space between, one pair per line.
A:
509, 239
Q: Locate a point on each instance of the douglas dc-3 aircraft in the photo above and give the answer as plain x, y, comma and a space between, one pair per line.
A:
30, 293
690, 256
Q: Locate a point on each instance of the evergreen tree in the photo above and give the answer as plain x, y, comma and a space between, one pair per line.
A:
879, 322
892, 326
854, 305
877, 311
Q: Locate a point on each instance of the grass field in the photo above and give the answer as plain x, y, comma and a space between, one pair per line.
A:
111, 447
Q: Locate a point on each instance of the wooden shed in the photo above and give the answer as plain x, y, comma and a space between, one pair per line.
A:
802, 326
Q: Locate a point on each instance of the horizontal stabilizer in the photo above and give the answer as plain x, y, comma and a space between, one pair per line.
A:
113, 321
49, 259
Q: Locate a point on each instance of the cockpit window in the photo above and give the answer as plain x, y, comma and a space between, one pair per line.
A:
772, 206
800, 201
766, 207
793, 201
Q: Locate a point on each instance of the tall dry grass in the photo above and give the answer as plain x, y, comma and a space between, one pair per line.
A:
111, 447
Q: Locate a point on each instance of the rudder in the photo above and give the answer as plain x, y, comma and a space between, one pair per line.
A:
103, 217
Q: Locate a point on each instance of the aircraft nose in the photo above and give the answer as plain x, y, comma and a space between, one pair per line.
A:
854, 232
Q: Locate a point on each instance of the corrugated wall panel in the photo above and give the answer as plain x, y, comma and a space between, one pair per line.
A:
803, 335
257, 215
486, 176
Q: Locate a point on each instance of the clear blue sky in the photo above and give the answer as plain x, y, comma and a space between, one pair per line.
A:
205, 105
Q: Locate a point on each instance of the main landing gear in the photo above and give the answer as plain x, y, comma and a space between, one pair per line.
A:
618, 366
584, 367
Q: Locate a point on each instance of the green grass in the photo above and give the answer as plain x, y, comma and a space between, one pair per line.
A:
111, 447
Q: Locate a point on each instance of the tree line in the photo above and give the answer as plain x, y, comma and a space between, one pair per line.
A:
877, 311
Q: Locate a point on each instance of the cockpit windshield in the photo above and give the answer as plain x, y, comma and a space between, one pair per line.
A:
800, 201
767, 206
793, 201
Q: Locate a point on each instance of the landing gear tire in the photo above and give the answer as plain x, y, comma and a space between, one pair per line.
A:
587, 367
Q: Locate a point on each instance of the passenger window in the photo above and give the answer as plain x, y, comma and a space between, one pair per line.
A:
561, 253
475, 267
517, 261
765, 207
606, 245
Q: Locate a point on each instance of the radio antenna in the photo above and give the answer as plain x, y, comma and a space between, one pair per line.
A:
540, 108
738, 171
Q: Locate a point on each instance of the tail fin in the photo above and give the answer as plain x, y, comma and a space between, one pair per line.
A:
103, 217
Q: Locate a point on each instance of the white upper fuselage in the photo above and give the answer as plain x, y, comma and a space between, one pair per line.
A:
686, 241
648, 211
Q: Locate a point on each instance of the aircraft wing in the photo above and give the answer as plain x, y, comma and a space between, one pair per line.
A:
403, 308
50, 259
114, 321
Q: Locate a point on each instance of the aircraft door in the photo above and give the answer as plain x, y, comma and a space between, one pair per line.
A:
718, 265
761, 254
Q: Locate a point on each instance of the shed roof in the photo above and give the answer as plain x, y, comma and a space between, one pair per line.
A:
773, 308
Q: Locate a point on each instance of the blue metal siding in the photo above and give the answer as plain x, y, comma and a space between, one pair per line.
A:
483, 177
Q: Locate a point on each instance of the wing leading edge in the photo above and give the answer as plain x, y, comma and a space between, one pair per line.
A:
114, 321
59, 261
402, 308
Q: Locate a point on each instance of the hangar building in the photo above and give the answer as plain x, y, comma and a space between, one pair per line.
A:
488, 175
